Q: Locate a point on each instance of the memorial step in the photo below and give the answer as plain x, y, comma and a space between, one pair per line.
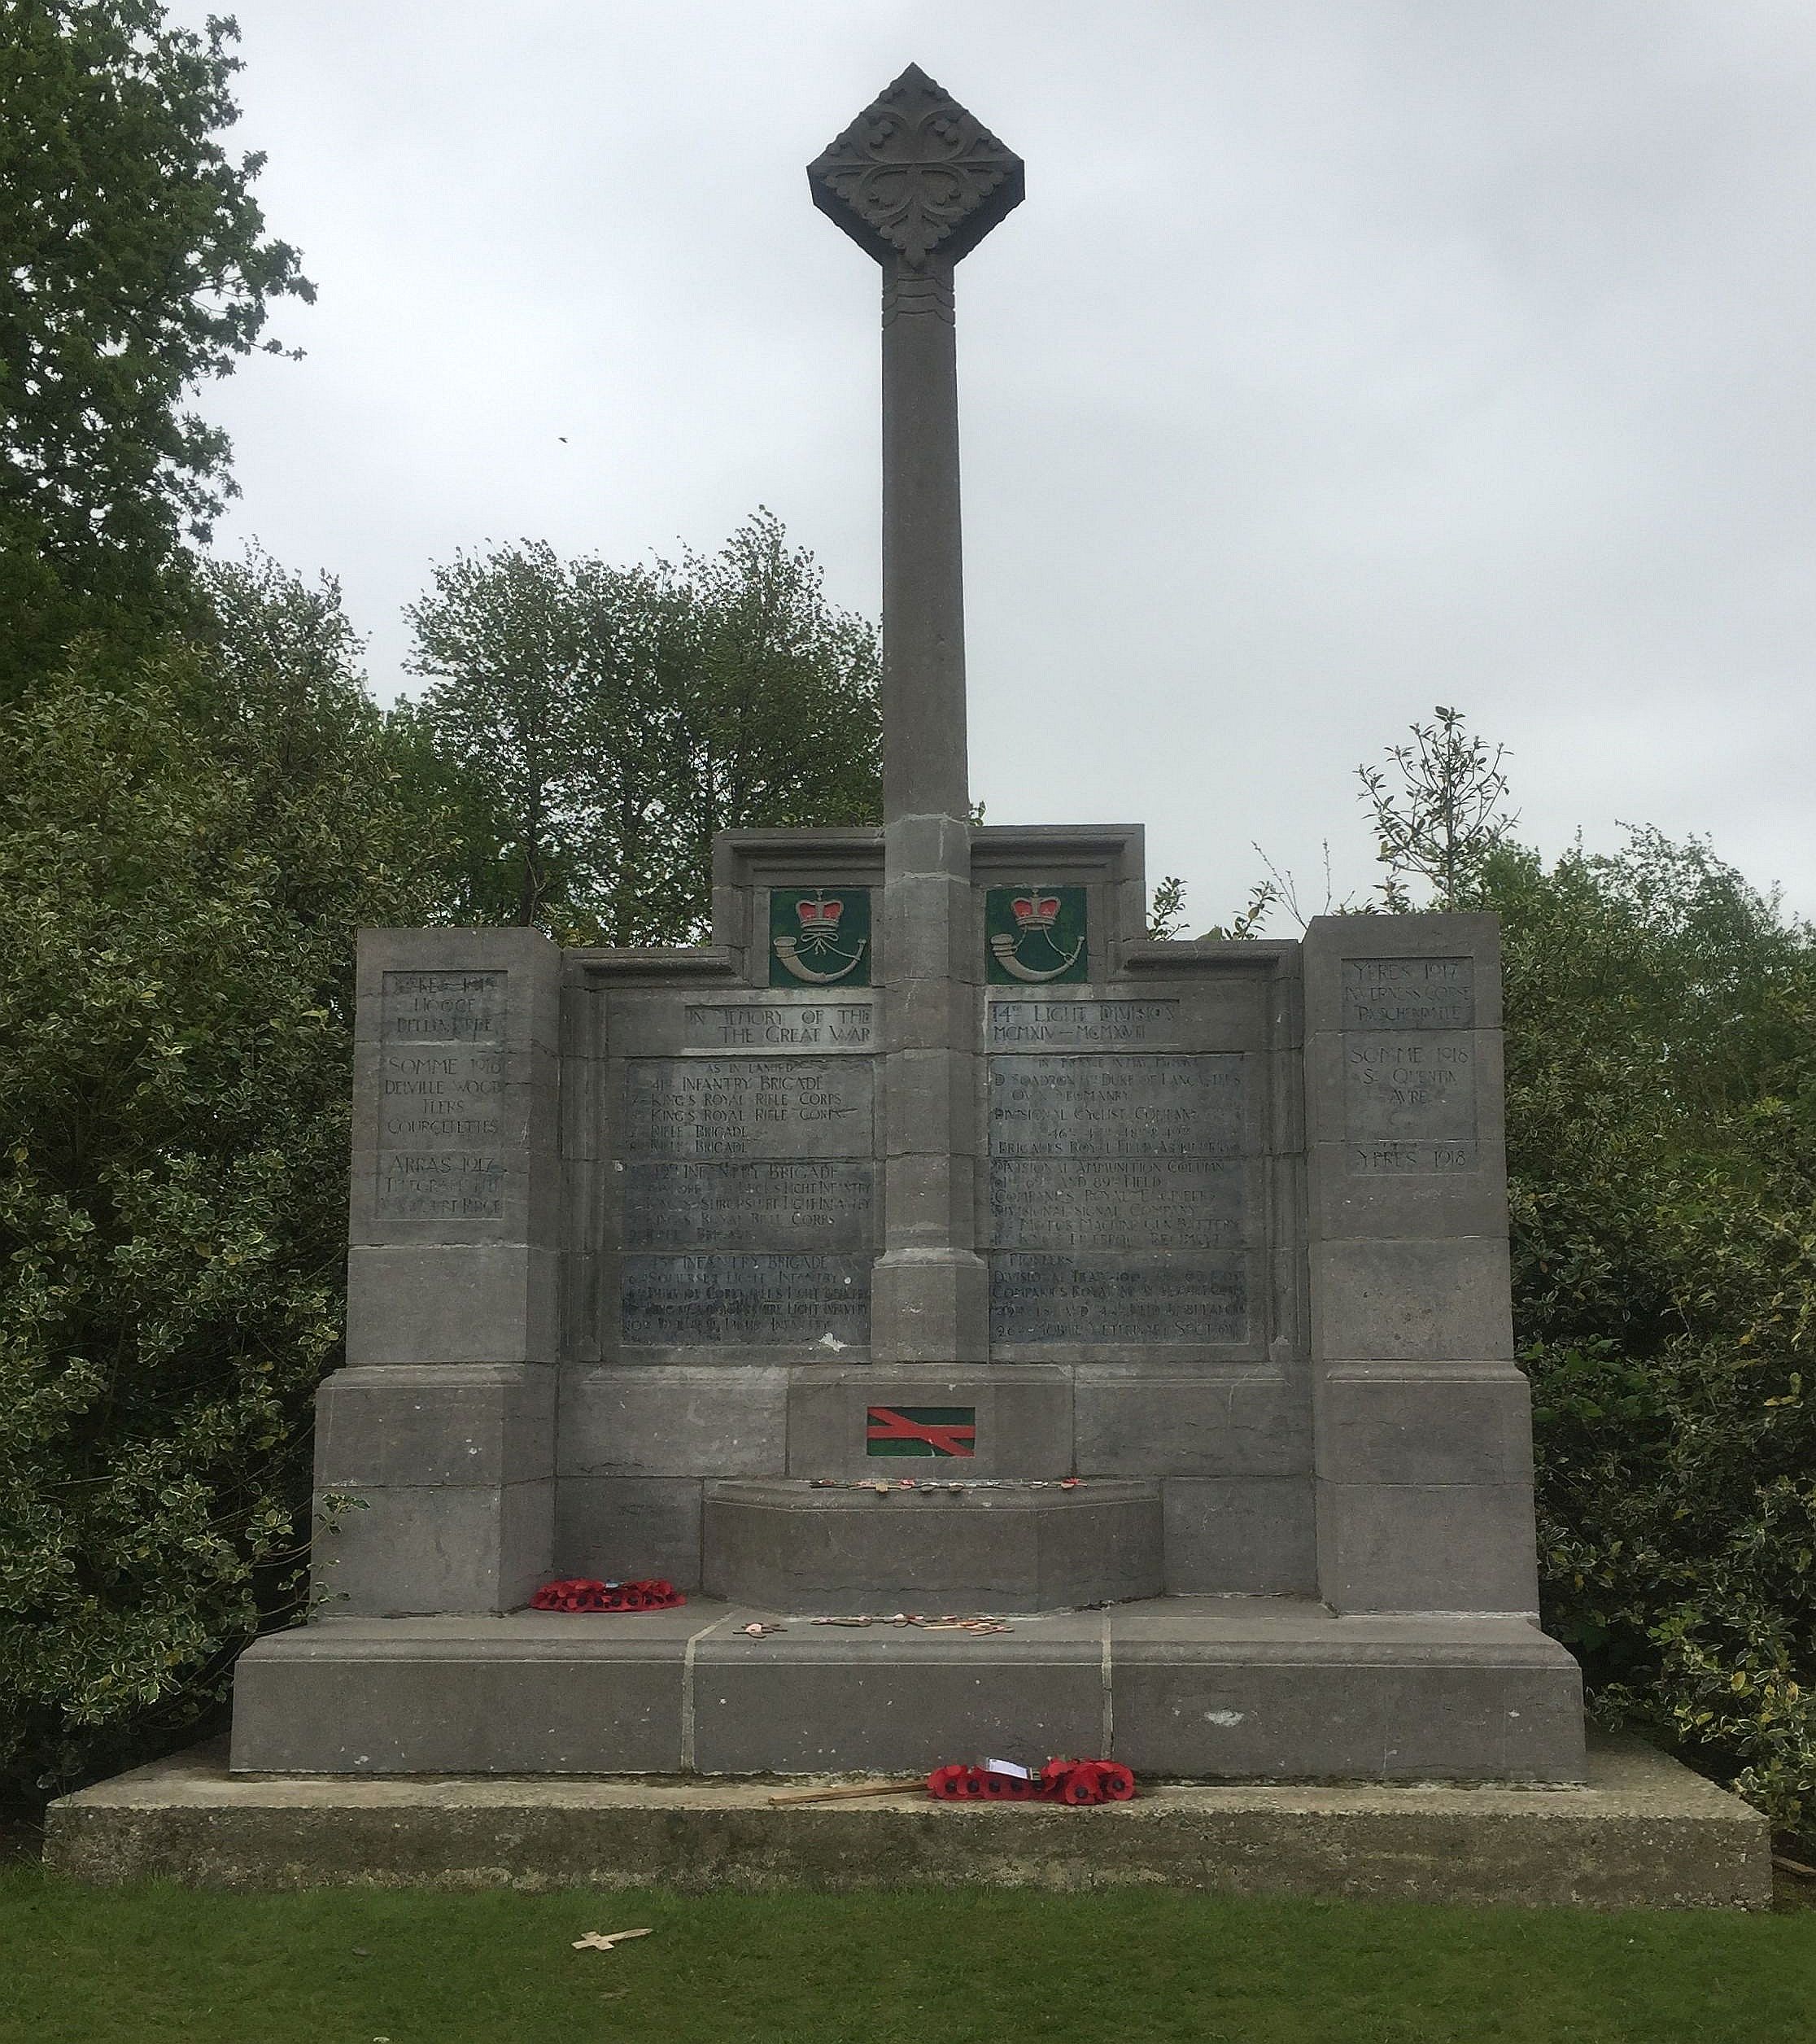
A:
1228, 1688
918, 1544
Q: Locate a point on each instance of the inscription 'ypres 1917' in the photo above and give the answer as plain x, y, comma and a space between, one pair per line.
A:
1409, 993
733, 1107
441, 1083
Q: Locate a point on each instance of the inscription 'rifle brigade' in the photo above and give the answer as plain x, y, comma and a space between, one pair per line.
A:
812, 951
1036, 934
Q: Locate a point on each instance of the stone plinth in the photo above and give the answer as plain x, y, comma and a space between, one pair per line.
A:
1641, 1832
1015, 1548
1229, 1687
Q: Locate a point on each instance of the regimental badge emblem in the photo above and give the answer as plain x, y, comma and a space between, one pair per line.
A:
920, 1430
1035, 933
820, 936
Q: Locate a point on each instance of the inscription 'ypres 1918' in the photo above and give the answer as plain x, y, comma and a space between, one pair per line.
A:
1409, 993
733, 1107
441, 1081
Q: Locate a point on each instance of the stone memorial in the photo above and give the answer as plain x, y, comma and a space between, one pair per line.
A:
933, 1241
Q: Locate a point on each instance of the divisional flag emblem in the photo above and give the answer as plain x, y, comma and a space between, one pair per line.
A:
921, 1429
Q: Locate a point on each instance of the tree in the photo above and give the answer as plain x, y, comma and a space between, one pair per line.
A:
595, 726
133, 265
1447, 812
185, 847
1661, 1134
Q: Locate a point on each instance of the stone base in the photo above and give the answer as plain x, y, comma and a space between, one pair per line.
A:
1015, 1548
1643, 1832
1211, 1688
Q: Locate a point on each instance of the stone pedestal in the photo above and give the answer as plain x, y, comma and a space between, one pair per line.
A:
435, 1445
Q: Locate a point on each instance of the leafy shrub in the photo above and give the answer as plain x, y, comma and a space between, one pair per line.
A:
186, 849
1662, 1117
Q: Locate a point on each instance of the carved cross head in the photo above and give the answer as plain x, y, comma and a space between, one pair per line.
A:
915, 176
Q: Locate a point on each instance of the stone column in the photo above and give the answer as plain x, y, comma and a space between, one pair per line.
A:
1422, 1418
918, 182
434, 1446
929, 1293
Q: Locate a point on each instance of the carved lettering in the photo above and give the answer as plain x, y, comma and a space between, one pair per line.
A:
774, 1205
734, 1108
777, 1025
1108, 1298
1035, 1023
1409, 1102
675, 1301
441, 1086
1409, 993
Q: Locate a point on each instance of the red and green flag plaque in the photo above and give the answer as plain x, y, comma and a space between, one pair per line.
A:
921, 1429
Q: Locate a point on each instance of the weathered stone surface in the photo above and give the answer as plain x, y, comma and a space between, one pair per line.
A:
794, 1301
1427, 1547
793, 1548
815, 1203
405, 1549
1141, 1297
627, 1528
667, 1419
748, 1106
1240, 1536
1643, 1832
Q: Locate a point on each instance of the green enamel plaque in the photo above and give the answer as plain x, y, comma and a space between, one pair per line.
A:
1035, 936
820, 936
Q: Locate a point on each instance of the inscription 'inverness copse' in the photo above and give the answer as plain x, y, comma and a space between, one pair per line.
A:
441, 1084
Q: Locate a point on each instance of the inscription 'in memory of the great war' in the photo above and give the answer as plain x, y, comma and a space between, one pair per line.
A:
777, 1025
1141, 1165
441, 1083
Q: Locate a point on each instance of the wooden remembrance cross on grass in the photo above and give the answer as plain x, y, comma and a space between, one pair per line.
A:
918, 182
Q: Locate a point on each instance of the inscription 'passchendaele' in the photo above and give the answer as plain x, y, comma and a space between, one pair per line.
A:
441, 1081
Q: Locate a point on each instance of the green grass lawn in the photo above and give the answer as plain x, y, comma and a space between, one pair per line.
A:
351, 1966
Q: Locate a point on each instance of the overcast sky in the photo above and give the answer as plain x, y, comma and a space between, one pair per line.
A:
1347, 357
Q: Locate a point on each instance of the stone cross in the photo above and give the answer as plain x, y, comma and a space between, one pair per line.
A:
918, 182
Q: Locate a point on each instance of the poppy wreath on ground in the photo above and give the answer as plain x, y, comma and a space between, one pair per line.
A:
586, 1593
1077, 1783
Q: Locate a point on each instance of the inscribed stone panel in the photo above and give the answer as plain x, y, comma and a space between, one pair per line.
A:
1408, 993
1166, 1297
748, 1106
1031, 1024
685, 1301
441, 1078
782, 1204
777, 1025
1409, 1102
1110, 1105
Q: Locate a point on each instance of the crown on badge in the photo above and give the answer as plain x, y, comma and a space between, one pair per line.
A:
1035, 911
820, 914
